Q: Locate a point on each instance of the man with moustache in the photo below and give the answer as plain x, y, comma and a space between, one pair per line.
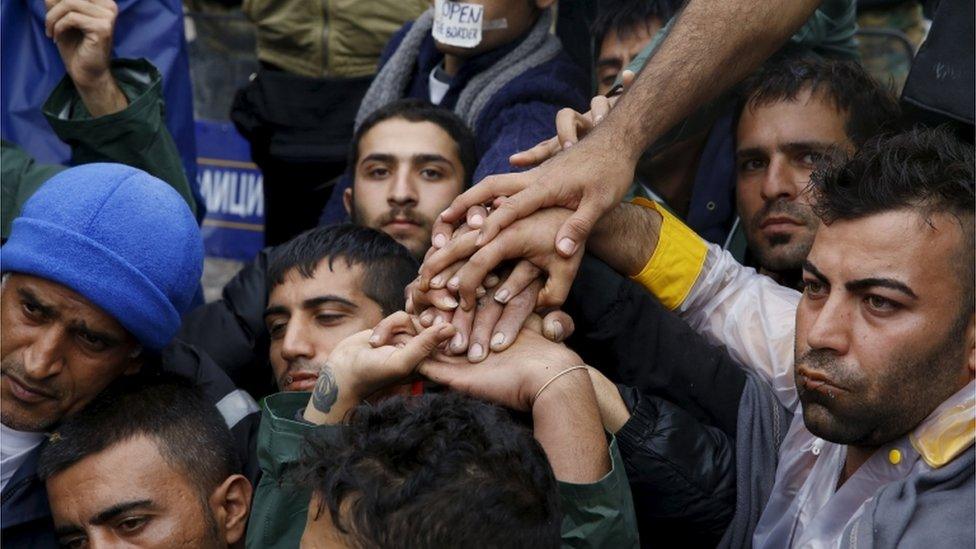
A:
795, 114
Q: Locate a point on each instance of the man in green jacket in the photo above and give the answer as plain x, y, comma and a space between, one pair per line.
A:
534, 376
107, 110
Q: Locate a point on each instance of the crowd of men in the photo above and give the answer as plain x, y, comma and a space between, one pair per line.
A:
729, 301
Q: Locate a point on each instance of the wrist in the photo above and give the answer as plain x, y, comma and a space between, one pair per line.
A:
101, 95
562, 384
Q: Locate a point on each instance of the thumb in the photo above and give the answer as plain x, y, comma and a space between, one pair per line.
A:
576, 229
421, 346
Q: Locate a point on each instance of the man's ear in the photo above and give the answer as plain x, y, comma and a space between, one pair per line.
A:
347, 200
230, 503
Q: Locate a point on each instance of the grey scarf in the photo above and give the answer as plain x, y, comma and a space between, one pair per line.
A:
391, 82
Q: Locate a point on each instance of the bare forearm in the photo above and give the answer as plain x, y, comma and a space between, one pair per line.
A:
103, 97
626, 237
711, 46
331, 398
566, 422
613, 410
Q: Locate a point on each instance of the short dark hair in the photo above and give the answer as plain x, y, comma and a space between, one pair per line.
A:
870, 107
440, 470
388, 267
929, 170
188, 430
418, 110
624, 16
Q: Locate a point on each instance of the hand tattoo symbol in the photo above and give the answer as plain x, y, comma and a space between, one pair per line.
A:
326, 392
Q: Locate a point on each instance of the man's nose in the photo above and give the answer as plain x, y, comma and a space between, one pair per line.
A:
296, 343
44, 357
830, 328
402, 190
780, 181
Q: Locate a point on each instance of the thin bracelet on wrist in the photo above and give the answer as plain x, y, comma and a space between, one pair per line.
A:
554, 378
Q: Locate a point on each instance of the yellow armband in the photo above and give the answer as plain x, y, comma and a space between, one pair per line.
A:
676, 262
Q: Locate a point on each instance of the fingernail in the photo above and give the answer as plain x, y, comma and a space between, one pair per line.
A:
567, 246
440, 240
457, 343
479, 291
374, 338
598, 119
437, 281
497, 340
481, 238
502, 295
449, 303
567, 144
476, 352
453, 283
557, 331
438, 320
476, 220
426, 319
491, 280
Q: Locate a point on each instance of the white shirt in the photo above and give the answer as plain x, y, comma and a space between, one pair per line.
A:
14, 447
438, 87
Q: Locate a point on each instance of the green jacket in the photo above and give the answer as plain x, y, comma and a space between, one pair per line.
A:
594, 515
327, 38
136, 136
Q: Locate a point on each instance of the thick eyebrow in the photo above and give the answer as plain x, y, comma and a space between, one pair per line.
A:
429, 157
812, 269
751, 152
46, 310
379, 157
311, 303
858, 286
79, 326
108, 514
791, 147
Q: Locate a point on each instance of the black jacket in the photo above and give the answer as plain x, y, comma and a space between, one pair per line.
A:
683, 395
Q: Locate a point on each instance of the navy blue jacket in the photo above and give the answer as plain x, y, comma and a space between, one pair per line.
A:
521, 114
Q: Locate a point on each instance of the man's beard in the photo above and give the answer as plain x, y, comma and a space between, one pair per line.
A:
418, 250
781, 252
912, 386
12, 364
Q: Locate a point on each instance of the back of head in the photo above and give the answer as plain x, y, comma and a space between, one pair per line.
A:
418, 110
870, 108
927, 170
440, 470
189, 432
118, 236
388, 267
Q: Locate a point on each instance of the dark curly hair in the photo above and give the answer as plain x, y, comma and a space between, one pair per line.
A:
928, 170
441, 470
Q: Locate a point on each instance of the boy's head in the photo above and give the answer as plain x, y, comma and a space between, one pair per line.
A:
441, 470
408, 161
622, 29
326, 284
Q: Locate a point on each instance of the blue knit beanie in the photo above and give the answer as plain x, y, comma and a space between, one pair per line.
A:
118, 236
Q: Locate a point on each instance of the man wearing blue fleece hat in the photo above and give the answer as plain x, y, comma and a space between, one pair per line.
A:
97, 273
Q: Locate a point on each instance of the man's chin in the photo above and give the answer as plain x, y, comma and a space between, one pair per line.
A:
825, 424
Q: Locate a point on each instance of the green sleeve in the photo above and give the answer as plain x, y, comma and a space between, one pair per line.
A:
600, 514
280, 505
136, 136
20, 177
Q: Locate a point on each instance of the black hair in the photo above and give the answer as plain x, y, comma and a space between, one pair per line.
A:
870, 107
418, 110
188, 430
388, 267
440, 470
624, 16
929, 170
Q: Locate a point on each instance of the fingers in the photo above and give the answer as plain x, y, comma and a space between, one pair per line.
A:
521, 276
461, 320
559, 282
577, 228
512, 209
485, 191
538, 154
476, 216
570, 127
398, 322
599, 107
513, 317
440, 279
81, 14
557, 326
423, 345
486, 316
454, 251
627, 78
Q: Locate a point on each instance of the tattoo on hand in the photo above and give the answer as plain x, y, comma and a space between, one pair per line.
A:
326, 392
